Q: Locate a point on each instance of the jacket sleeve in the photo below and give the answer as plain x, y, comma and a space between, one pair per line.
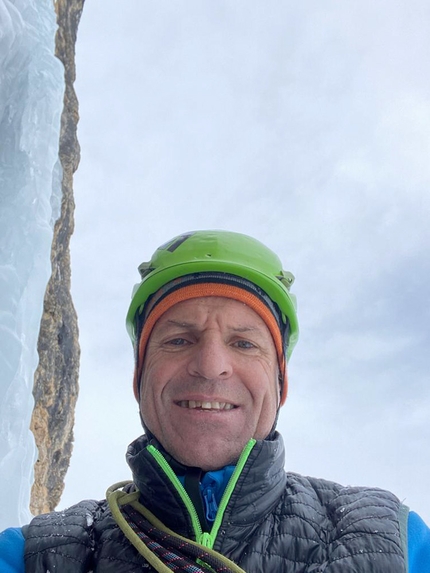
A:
12, 551
418, 544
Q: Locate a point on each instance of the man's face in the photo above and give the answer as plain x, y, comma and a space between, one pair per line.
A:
210, 381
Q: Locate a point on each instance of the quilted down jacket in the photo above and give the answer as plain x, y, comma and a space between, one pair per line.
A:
270, 521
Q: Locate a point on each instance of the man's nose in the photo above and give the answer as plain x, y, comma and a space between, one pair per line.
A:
211, 359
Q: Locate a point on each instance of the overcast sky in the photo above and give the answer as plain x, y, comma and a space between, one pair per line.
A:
308, 127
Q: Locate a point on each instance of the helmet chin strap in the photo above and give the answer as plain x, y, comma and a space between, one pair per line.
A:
148, 433
272, 432
281, 382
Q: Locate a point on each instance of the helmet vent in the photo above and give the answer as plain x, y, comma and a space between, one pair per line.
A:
144, 269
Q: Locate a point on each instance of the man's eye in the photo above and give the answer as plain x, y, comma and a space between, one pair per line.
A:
244, 344
177, 342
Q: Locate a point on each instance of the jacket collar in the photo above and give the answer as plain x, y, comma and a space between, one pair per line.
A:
259, 487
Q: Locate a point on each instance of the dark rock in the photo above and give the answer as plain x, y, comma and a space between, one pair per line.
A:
56, 378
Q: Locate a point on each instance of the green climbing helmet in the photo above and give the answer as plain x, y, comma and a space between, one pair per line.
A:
216, 251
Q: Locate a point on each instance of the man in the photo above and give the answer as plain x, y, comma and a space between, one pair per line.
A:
213, 324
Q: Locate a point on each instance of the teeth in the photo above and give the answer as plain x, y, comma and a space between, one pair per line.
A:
205, 405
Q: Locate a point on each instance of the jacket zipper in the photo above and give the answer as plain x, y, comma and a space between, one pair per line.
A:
203, 537
230, 487
164, 465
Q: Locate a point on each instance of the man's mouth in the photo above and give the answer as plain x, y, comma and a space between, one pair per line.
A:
193, 404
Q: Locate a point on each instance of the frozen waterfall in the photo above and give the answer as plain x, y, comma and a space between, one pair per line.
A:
31, 94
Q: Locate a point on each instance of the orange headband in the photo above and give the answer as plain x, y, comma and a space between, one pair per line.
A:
210, 289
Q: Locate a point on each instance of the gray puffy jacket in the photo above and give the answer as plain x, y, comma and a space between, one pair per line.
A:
273, 522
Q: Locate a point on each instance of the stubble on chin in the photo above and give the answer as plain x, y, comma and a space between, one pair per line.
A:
207, 455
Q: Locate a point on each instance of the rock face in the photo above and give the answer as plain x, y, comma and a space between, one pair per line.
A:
56, 378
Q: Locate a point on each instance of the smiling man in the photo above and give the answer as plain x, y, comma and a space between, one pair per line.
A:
210, 380
213, 323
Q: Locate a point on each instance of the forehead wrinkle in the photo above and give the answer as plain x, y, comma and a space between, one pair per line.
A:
193, 326
178, 323
244, 328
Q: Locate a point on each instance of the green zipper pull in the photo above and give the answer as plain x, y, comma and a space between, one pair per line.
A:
206, 540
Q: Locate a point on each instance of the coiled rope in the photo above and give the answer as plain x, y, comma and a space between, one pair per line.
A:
162, 548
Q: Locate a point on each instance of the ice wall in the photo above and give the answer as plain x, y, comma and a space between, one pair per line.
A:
31, 95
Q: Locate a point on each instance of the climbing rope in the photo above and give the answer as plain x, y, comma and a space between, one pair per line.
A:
164, 549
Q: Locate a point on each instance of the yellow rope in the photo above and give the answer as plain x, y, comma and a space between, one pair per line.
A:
134, 539
117, 498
